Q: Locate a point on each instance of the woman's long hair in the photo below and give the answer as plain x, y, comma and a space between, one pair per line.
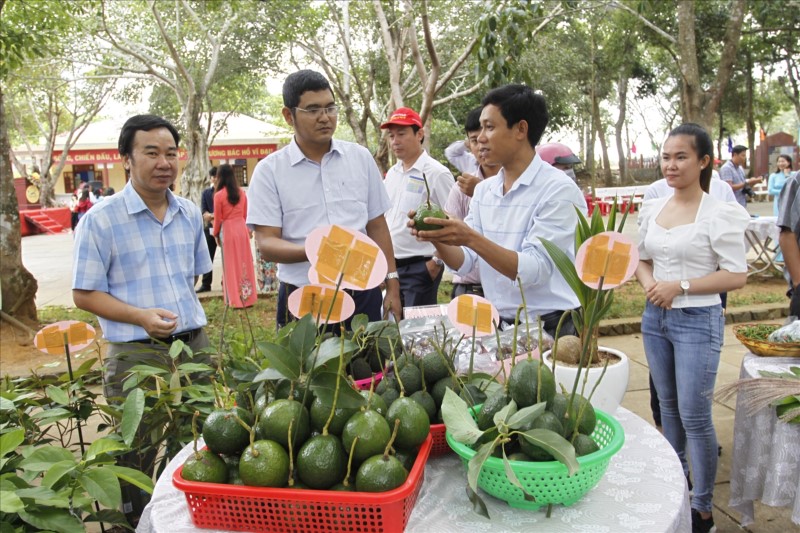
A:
226, 180
702, 144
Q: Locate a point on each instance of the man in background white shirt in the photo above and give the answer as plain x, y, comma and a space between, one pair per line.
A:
465, 156
717, 188
419, 269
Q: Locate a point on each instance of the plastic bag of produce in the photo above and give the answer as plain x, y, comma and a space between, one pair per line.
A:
787, 333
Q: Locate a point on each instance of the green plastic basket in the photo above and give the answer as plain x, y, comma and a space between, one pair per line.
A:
548, 481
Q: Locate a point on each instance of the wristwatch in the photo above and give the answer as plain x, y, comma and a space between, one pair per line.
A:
438, 261
392, 275
685, 286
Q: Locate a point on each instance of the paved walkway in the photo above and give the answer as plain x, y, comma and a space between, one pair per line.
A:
49, 259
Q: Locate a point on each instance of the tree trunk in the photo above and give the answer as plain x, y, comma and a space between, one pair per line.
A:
195, 174
700, 105
751, 121
608, 178
622, 93
792, 92
18, 286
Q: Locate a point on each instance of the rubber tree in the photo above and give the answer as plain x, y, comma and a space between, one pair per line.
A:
382, 55
26, 35
55, 99
703, 39
193, 48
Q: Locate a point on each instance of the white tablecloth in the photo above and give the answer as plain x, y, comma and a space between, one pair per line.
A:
766, 452
761, 241
764, 227
642, 490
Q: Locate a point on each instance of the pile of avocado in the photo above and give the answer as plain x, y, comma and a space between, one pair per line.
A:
298, 442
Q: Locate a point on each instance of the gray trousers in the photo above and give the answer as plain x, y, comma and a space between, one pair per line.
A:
120, 358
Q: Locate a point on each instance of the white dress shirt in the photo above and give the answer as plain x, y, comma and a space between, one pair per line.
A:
457, 206
406, 190
717, 188
540, 204
296, 194
460, 157
714, 239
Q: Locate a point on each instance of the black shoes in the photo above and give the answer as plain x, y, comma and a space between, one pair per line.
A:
702, 525
203, 288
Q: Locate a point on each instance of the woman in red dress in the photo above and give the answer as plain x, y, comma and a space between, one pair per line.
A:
84, 204
230, 213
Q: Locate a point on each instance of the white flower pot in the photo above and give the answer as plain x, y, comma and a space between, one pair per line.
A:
609, 394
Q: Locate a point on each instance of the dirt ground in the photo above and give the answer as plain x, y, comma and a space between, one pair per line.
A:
19, 357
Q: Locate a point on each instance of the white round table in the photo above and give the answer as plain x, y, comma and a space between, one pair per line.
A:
766, 452
642, 490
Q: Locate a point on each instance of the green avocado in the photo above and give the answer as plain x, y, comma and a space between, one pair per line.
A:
428, 210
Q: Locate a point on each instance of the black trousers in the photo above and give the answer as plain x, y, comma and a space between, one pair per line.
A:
794, 303
367, 302
550, 323
212, 251
416, 286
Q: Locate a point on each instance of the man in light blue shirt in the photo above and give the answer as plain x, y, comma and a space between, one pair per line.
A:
136, 259
732, 172
527, 200
316, 181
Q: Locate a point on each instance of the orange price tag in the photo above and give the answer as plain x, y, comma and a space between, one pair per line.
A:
50, 339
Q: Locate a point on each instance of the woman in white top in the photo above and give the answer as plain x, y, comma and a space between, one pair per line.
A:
684, 239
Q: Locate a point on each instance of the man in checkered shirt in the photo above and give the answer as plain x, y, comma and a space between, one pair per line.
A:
137, 257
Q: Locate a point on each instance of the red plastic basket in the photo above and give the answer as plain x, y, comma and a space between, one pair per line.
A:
363, 384
440, 446
238, 508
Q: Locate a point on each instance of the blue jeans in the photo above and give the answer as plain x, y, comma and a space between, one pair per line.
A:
682, 348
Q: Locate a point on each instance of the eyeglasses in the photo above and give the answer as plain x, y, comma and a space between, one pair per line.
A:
316, 112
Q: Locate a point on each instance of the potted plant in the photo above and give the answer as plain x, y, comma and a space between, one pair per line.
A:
605, 370
530, 445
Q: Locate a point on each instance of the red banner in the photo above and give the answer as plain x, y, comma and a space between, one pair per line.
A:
237, 151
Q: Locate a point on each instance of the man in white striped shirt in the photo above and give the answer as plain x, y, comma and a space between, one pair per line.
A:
527, 200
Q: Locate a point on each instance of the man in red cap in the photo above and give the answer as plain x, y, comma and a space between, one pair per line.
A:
419, 269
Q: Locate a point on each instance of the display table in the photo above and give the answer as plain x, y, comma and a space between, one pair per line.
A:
762, 237
642, 490
766, 452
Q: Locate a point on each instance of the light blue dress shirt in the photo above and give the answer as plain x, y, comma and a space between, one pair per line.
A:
121, 248
296, 194
541, 203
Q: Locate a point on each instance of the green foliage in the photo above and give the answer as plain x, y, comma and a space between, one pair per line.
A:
35, 28
45, 481
160, 401
594, 303
510, 423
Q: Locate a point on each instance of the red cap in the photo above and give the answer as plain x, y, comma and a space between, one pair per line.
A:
403, 116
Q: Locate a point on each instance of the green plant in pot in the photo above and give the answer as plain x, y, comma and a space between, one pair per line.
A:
573, 358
